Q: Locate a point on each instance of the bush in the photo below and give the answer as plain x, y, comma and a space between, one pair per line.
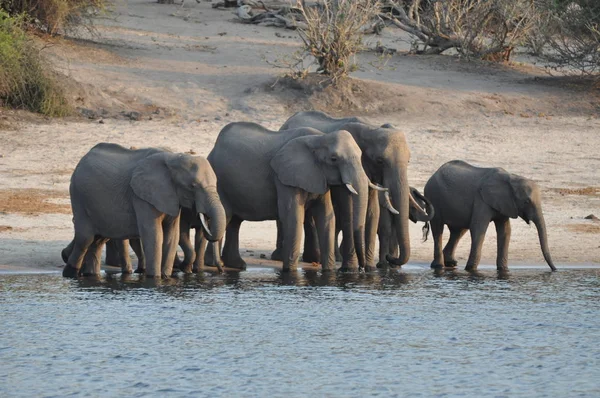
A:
54, 16
487, 29
572, 31
25, 80
333, 33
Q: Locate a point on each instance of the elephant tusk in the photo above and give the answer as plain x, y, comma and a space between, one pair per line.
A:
388, 203
351, 189
377, 187
204, 224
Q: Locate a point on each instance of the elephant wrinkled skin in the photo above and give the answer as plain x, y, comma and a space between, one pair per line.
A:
466, 197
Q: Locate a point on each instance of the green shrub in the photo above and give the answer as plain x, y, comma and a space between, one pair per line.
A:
53, 16
26, 82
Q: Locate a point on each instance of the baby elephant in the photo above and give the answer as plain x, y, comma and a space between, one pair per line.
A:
469, 197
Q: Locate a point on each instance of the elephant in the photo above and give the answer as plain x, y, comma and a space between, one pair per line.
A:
117, 254
271, 175
118, 193
467, 197
385, 157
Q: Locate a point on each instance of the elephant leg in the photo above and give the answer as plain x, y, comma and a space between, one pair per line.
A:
477, 230
371, 225
84, 237
200, 243
189, 255
311, 253
276, 255
170, 227
343, 217
117, 254
503, 236
437, 231
385, 233
325, 222
92, 265
455, 235
149, 222
290, 204
231, 249
394, 248
136, 245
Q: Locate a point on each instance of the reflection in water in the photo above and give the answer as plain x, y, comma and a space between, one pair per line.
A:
264, 332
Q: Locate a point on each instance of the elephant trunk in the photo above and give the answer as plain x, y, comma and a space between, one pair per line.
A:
540, 224
210, 205
359, 180
420, 214
397, 182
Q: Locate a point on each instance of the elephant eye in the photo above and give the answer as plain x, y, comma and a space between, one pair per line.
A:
334, 158
379, 160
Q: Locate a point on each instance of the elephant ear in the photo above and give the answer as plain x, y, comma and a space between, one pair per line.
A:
296, 165
151, 181
496, 190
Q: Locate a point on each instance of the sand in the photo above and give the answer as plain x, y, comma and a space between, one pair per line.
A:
187, 72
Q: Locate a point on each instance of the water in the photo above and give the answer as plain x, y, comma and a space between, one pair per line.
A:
259, 333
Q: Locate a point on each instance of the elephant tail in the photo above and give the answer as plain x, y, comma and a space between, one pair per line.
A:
425, 230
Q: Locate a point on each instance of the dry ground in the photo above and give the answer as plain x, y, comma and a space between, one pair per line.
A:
187, 72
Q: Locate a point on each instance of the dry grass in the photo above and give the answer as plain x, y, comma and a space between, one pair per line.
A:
33, 201
587, 228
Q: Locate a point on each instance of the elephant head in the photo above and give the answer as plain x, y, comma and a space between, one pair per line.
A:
168, 180
515, 196
315, 162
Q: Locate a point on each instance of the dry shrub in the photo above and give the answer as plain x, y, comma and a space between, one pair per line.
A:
572, 31
333, 33
26, 81
54, 16
487, 29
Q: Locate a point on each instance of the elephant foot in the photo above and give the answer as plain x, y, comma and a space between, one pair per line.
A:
347, 270
127, 271
139, 270
450, 263
311, 257
471, 267
369, 268
276, 255
435, 265
89, 274
70, 271
185, 268
382, 264
234, 262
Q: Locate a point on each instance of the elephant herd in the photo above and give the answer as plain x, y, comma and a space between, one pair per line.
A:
317, 176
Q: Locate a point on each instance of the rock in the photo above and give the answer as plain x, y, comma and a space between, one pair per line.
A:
227, 114
263, 256
90, 114
218, 118
101, 121
591, 217
133, 115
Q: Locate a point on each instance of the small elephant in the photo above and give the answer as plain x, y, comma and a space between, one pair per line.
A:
270, 175
118, 193
117, 254
466, 197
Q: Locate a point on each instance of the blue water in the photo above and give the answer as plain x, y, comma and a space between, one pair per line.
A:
531, 333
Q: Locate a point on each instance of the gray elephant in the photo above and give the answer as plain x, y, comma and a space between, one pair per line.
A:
469, 198
385, 157
117, 193
270, 175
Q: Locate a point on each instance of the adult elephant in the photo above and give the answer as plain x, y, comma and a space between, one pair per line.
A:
118, 193
469, 198
385, 157
270, 175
